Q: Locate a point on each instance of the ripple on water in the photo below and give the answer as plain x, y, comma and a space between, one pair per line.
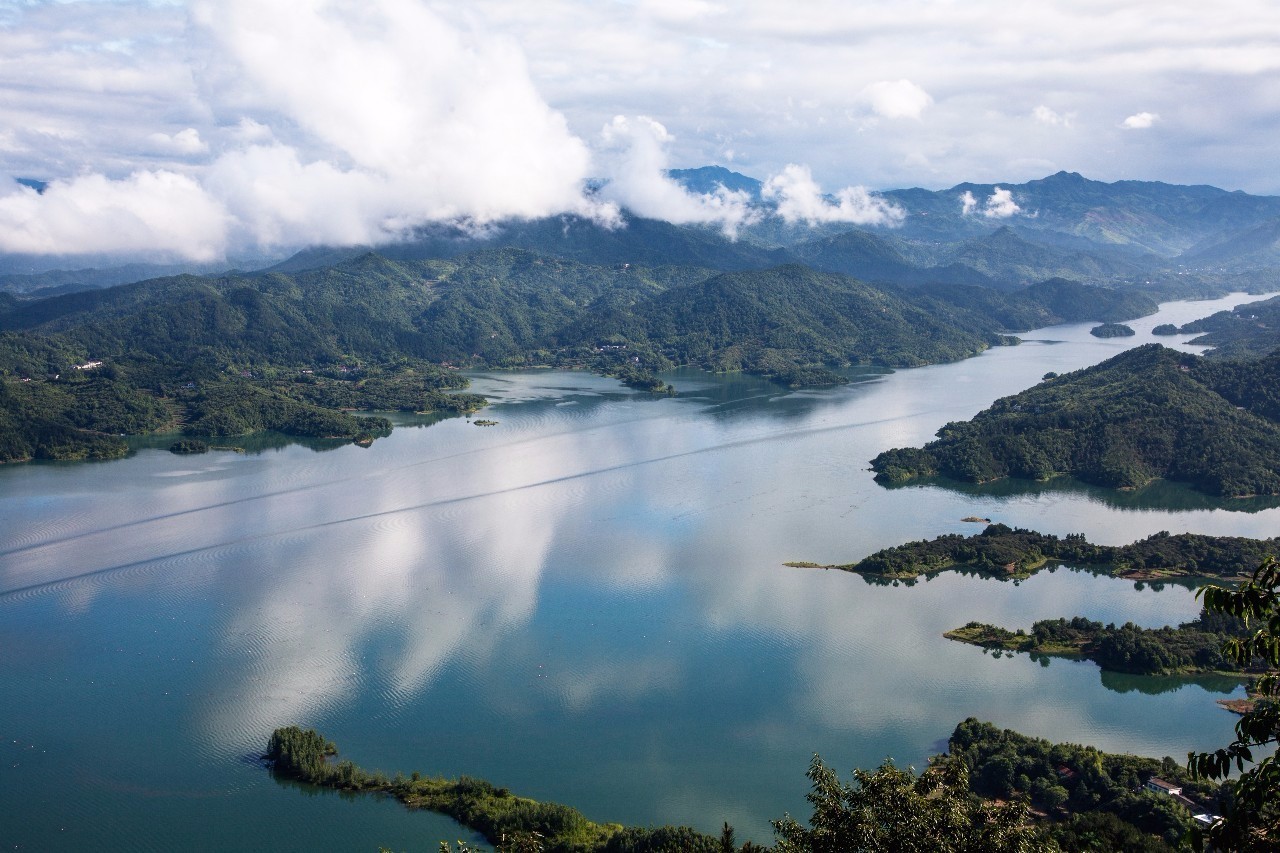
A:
69, 521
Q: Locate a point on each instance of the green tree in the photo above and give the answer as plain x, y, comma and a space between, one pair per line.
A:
1253, 821
891, 809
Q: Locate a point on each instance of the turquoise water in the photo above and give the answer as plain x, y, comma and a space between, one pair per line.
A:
585, 603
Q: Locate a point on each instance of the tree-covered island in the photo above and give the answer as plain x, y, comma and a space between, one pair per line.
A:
1001, 551
993, 791
1112, 330
1149, 413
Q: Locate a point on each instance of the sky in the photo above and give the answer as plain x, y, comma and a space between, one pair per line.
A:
192, 130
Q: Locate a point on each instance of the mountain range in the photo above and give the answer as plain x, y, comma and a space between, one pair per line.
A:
1185, 239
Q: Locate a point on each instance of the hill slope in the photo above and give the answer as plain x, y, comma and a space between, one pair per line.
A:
1147, 413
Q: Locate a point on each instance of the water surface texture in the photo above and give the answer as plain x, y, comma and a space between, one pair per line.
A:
585, 603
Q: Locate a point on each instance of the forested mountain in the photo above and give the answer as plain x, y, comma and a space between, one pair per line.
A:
785, 300
1002, 234
1147, 413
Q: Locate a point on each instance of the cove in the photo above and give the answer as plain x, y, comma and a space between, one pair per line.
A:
585, 602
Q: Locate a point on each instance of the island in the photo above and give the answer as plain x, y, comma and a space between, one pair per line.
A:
1148, 413
1000, 551
1192, 648
1165, 329
1112, 330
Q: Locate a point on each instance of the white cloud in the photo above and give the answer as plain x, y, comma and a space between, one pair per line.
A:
482, 108
897, 99
1140, 121
1045, 115
999, 205
799, 198
447, 114
636, 166
340, 123
157, 212
184, 142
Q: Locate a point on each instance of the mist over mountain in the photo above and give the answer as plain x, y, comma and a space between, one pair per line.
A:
1004, 236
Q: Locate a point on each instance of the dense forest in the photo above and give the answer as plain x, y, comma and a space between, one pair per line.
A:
1246, 331
1145, 414
295, 350
1005, 552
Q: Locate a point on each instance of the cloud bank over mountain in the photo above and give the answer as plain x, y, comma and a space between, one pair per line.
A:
189, 129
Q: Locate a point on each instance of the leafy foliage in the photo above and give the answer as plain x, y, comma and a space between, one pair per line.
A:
1253, 821
894, 809
1078, 779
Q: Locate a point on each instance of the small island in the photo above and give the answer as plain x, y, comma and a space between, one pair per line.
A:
1165, 329
1192, 648
1004, 552
1112, 330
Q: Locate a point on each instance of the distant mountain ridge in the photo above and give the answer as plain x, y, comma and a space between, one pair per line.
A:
1002, 235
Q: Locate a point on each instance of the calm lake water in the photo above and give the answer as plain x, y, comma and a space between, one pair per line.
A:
585, 603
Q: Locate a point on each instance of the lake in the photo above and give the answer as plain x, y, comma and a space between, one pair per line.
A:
586, 603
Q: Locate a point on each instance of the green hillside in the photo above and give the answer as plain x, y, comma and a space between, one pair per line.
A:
1147, 413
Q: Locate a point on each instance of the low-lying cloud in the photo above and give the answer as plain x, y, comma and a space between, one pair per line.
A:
156, 213
999, 205
799, 198
638, 180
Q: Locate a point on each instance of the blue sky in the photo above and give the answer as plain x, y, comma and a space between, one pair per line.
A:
194, 129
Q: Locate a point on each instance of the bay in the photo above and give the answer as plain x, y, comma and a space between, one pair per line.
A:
585, 603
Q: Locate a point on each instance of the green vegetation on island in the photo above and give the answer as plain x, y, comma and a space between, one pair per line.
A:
1190, 648
1165, 329
993, 791
504, 819
1144, 414
1112, 330
1251, 330
1004, 552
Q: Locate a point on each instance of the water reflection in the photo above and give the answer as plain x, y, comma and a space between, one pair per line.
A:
1154, 685
586, 603
1160, 494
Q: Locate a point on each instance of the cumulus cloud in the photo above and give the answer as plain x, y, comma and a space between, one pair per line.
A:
1140, 121
999, 205
344, 123
449, 115
1046, 115
156, 212
638, 180
896, 99
184, 142
799, 198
